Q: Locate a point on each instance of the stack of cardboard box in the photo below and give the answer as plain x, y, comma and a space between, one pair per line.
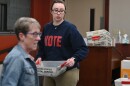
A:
99, 38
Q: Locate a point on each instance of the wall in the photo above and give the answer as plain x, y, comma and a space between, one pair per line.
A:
16, 9
6, 41
78, 12
119, 17
40, 9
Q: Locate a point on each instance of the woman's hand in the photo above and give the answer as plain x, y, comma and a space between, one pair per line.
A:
70, 62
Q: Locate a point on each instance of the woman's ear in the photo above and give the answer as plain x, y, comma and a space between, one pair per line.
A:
21, 36
51, 11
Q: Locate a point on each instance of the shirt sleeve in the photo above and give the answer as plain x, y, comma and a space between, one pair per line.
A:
12, 70
79, 46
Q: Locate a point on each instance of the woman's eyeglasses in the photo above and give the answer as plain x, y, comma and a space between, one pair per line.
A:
35, 34
58, 11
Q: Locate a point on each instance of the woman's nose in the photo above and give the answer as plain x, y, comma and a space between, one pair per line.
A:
38, 38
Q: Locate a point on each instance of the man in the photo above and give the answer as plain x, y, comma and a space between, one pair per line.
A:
19, 68
61, 40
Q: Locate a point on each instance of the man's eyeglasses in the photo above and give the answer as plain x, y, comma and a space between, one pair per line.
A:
58, 11
35, 34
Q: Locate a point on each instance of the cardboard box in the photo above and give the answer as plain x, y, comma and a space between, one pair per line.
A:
125, 69
99, 38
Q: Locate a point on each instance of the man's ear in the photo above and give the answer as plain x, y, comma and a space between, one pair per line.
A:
21, 36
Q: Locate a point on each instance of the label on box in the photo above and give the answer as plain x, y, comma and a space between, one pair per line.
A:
125, 73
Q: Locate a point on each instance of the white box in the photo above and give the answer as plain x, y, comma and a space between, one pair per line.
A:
122, 82
99, 38
51, 68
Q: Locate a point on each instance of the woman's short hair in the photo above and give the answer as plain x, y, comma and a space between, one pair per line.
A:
22, 25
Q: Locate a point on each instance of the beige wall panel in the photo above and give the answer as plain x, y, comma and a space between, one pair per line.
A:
78, 12
119, 17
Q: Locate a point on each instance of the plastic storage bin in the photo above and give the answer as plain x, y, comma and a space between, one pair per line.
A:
51, 68
122, 82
